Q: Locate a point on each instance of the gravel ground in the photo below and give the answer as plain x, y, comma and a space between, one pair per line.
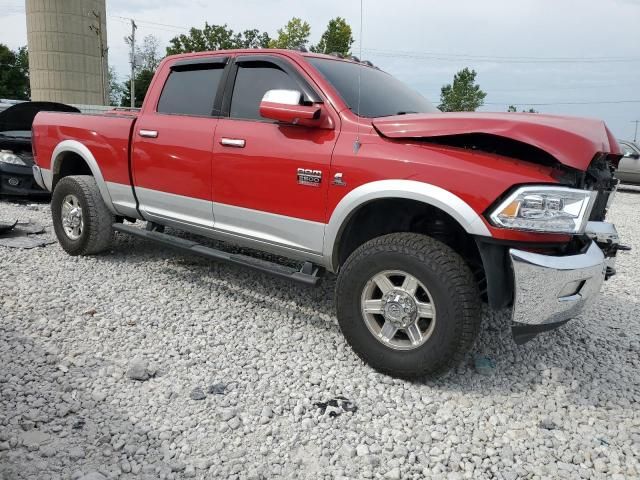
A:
147, 364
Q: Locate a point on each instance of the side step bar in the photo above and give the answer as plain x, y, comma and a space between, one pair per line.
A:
309, 274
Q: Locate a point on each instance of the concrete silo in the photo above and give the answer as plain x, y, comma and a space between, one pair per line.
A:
67, 41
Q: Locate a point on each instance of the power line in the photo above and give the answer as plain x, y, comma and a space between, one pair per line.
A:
552, 88
500, 57
154, 25
572, 88
492, 59
533, 104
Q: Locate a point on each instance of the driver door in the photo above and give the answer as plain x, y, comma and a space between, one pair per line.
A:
257, 192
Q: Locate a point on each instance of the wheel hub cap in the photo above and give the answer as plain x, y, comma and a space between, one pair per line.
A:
399, 308
71, 216
73, 219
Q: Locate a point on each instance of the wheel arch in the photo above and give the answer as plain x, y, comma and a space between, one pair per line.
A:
71, 157
405, 192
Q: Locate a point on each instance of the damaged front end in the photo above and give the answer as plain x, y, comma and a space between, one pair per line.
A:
549, 290
547, 285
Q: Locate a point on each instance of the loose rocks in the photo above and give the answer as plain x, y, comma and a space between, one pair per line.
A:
79, 398
138, 370
197, 394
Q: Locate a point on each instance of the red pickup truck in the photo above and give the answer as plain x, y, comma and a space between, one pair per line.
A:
333, 163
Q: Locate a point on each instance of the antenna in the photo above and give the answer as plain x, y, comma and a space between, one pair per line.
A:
357, 144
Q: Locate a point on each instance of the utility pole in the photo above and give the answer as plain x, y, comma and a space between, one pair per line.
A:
635, 135
103, 51
132, 41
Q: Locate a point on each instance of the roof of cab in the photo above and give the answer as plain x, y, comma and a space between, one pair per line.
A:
262, 51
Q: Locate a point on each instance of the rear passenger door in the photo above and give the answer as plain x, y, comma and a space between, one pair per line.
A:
173, 142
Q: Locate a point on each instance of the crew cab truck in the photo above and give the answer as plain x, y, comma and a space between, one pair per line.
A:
336, 164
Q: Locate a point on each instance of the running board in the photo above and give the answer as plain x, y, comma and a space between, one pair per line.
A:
309, 274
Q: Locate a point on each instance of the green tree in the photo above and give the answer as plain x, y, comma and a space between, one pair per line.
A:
149, 52
116, 89
293, 35
464, 95
512, 108
217, 37
14, 73
336, 38
143, 80
254, 38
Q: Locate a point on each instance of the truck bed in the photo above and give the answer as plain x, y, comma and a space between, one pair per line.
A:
106, 136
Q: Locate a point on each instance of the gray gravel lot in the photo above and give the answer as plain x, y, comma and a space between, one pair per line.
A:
144, 363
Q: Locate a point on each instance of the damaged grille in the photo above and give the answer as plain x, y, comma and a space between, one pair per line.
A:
599, 177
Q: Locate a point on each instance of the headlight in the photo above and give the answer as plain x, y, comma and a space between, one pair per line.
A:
545, 209
7, 156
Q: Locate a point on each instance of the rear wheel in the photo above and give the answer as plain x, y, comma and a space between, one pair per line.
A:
408, 305
81, 220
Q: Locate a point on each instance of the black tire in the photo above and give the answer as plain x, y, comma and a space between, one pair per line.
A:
97, 232
452, 287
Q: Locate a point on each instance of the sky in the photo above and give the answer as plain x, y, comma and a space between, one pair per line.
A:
573, 57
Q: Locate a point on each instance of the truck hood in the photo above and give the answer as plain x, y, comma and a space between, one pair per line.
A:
571, 141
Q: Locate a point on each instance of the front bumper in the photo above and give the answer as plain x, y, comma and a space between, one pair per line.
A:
18, 180
549, 290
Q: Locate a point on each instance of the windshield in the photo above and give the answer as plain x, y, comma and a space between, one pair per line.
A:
381, 94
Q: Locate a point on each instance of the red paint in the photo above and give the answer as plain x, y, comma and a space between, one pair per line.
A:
572, 141
290, 113
187, 158
178, 161
263, 174
106, 137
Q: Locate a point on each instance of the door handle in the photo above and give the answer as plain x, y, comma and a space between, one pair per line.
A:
148, 133
233, 142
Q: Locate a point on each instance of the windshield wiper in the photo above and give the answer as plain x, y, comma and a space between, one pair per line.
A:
405, 112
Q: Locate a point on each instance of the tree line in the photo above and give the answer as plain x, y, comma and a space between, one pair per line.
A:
14, 73
337, 38
463, 94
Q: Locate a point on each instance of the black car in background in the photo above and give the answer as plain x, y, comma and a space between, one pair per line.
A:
16, 158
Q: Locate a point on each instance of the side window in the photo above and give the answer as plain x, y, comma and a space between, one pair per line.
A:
253, 80
191, 92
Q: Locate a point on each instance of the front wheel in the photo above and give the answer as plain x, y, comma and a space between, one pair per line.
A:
408, 305
81, 220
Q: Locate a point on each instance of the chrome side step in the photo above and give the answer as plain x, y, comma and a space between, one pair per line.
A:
309, 274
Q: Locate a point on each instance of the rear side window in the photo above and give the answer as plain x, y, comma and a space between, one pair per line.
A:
252, 82
190, 92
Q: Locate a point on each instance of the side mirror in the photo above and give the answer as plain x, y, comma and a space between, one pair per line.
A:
285, 106
633, 155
